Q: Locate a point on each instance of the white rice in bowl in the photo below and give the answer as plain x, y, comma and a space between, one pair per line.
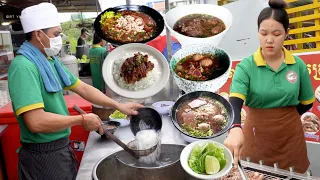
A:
152, 76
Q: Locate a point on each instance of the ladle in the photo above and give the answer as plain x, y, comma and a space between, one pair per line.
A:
134, 152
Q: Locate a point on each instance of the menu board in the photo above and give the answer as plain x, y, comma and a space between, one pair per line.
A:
310, 119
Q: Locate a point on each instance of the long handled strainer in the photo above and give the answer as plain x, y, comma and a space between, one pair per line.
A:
131, 148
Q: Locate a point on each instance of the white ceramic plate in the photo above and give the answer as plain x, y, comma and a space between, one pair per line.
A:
187, 151
120, 52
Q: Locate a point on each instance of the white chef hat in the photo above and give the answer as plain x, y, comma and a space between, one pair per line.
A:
41, 16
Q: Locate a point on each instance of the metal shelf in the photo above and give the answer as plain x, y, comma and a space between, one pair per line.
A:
5, 53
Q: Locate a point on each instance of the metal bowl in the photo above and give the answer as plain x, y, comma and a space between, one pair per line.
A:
197, 94
155, 15
212, 85
147, 118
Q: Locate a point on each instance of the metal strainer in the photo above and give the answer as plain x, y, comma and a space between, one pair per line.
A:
133, 150
141, 152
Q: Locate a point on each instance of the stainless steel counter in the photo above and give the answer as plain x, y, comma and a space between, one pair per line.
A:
98, 148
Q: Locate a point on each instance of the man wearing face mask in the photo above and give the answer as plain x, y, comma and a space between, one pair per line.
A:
36, 79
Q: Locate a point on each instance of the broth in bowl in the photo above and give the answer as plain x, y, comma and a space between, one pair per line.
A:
194, 34
202, 116
198, 67
199, 25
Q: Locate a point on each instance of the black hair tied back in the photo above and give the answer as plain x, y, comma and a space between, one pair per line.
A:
278, 4
277, 12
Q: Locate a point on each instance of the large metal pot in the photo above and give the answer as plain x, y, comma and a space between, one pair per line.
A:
121, 166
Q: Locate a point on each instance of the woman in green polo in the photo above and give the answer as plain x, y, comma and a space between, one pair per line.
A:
97, 54
276, 87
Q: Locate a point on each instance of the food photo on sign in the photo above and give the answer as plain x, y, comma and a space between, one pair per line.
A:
310, 120
310, 123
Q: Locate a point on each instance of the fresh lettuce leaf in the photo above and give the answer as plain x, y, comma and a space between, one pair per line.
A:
198, 155
193, 161
217, 152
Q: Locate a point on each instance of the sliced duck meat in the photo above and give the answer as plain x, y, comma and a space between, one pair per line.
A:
188, 119
196, 73
135, 68
197, 103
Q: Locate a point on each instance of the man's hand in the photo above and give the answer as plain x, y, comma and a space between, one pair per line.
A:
130, 108
92, 122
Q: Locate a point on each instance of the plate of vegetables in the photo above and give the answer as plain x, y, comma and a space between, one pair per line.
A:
206, 159
129, 24
118, 116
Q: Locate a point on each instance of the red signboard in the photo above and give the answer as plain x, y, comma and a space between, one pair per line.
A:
310, 119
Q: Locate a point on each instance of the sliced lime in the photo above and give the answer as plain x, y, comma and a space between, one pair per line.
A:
212, 165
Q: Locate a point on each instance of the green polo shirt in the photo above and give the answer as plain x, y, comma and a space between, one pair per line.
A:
27, 92
97, 54
262, 87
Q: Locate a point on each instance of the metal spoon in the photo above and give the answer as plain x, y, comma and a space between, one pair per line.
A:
134, 152
242, 173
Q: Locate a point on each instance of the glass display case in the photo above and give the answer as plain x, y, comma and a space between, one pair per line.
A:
18, 38
6, 52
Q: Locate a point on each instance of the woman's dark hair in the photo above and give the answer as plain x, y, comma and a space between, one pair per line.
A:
276, 11
96, 39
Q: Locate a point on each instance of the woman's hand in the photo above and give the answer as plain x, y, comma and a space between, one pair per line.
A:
130, 108
234, 143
